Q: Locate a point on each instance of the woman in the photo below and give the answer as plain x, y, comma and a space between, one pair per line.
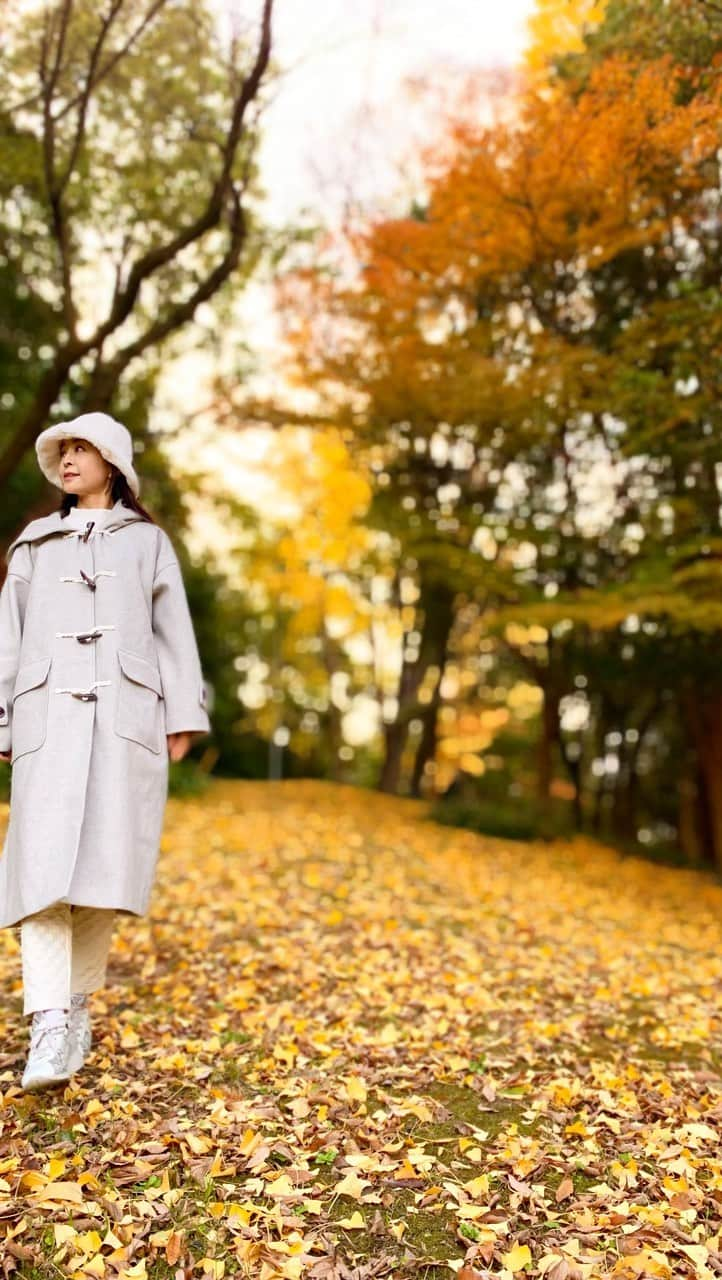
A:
100, 685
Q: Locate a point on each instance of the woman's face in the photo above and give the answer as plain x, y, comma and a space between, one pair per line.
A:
83, 469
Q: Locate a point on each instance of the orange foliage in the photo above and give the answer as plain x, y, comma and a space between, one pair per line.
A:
561, 181
576, 181
559, 184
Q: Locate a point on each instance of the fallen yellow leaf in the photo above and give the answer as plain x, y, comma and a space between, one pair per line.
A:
517, 1258
354, 1223
67, 1191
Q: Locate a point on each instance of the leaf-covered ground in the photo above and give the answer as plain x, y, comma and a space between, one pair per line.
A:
350, 1043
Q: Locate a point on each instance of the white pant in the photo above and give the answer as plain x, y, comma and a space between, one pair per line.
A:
64, 951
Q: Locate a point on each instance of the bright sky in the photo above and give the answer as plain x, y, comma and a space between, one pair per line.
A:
341, 96
343, 124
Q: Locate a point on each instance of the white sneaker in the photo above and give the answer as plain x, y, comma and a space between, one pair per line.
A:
79, 1033
47, 1062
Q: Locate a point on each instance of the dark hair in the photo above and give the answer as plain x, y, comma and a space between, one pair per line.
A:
120, 491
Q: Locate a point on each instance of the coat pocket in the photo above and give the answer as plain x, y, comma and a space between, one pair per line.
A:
138, 713
30, 707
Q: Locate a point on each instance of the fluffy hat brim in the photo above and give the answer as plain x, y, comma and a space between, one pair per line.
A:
47, 449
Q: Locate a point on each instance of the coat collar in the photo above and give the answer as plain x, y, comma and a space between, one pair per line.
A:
48, 526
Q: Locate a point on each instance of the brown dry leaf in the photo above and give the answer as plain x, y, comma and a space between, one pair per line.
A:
564, 1190
174, 1247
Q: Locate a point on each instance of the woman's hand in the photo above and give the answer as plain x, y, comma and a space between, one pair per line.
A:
179, 745
5, 755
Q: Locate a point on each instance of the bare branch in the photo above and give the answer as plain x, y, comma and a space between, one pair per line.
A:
152, 261
103, 72
49, 80
107, 376
121, 51
84, 98
248, 91
224, 204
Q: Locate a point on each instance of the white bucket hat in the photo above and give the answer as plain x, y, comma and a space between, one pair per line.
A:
110, 438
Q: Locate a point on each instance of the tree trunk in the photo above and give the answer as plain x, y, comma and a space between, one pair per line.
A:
333, 662
548, 737
690, 818
624, 811
705, 720
335, 743
426, 749
573, 763
626, 794
437, 605
395, 736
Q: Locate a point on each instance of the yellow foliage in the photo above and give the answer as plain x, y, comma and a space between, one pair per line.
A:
310, 568
557, 26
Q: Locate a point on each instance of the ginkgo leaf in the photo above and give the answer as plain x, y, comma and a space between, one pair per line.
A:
213, 1268
354, 1223
356, 1088
63, 1232
281, 1186
517, 1258
478, 1187
94, 1266
137, 1271
64, 1191
351, 1185
699, 1253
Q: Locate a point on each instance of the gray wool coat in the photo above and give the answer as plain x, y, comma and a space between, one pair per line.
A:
98, 662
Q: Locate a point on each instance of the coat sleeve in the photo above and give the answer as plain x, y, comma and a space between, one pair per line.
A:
13, 599
184, 688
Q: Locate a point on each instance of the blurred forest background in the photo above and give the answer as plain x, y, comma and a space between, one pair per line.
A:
487, 564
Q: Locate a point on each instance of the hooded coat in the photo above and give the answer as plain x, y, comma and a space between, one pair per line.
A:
98, 662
